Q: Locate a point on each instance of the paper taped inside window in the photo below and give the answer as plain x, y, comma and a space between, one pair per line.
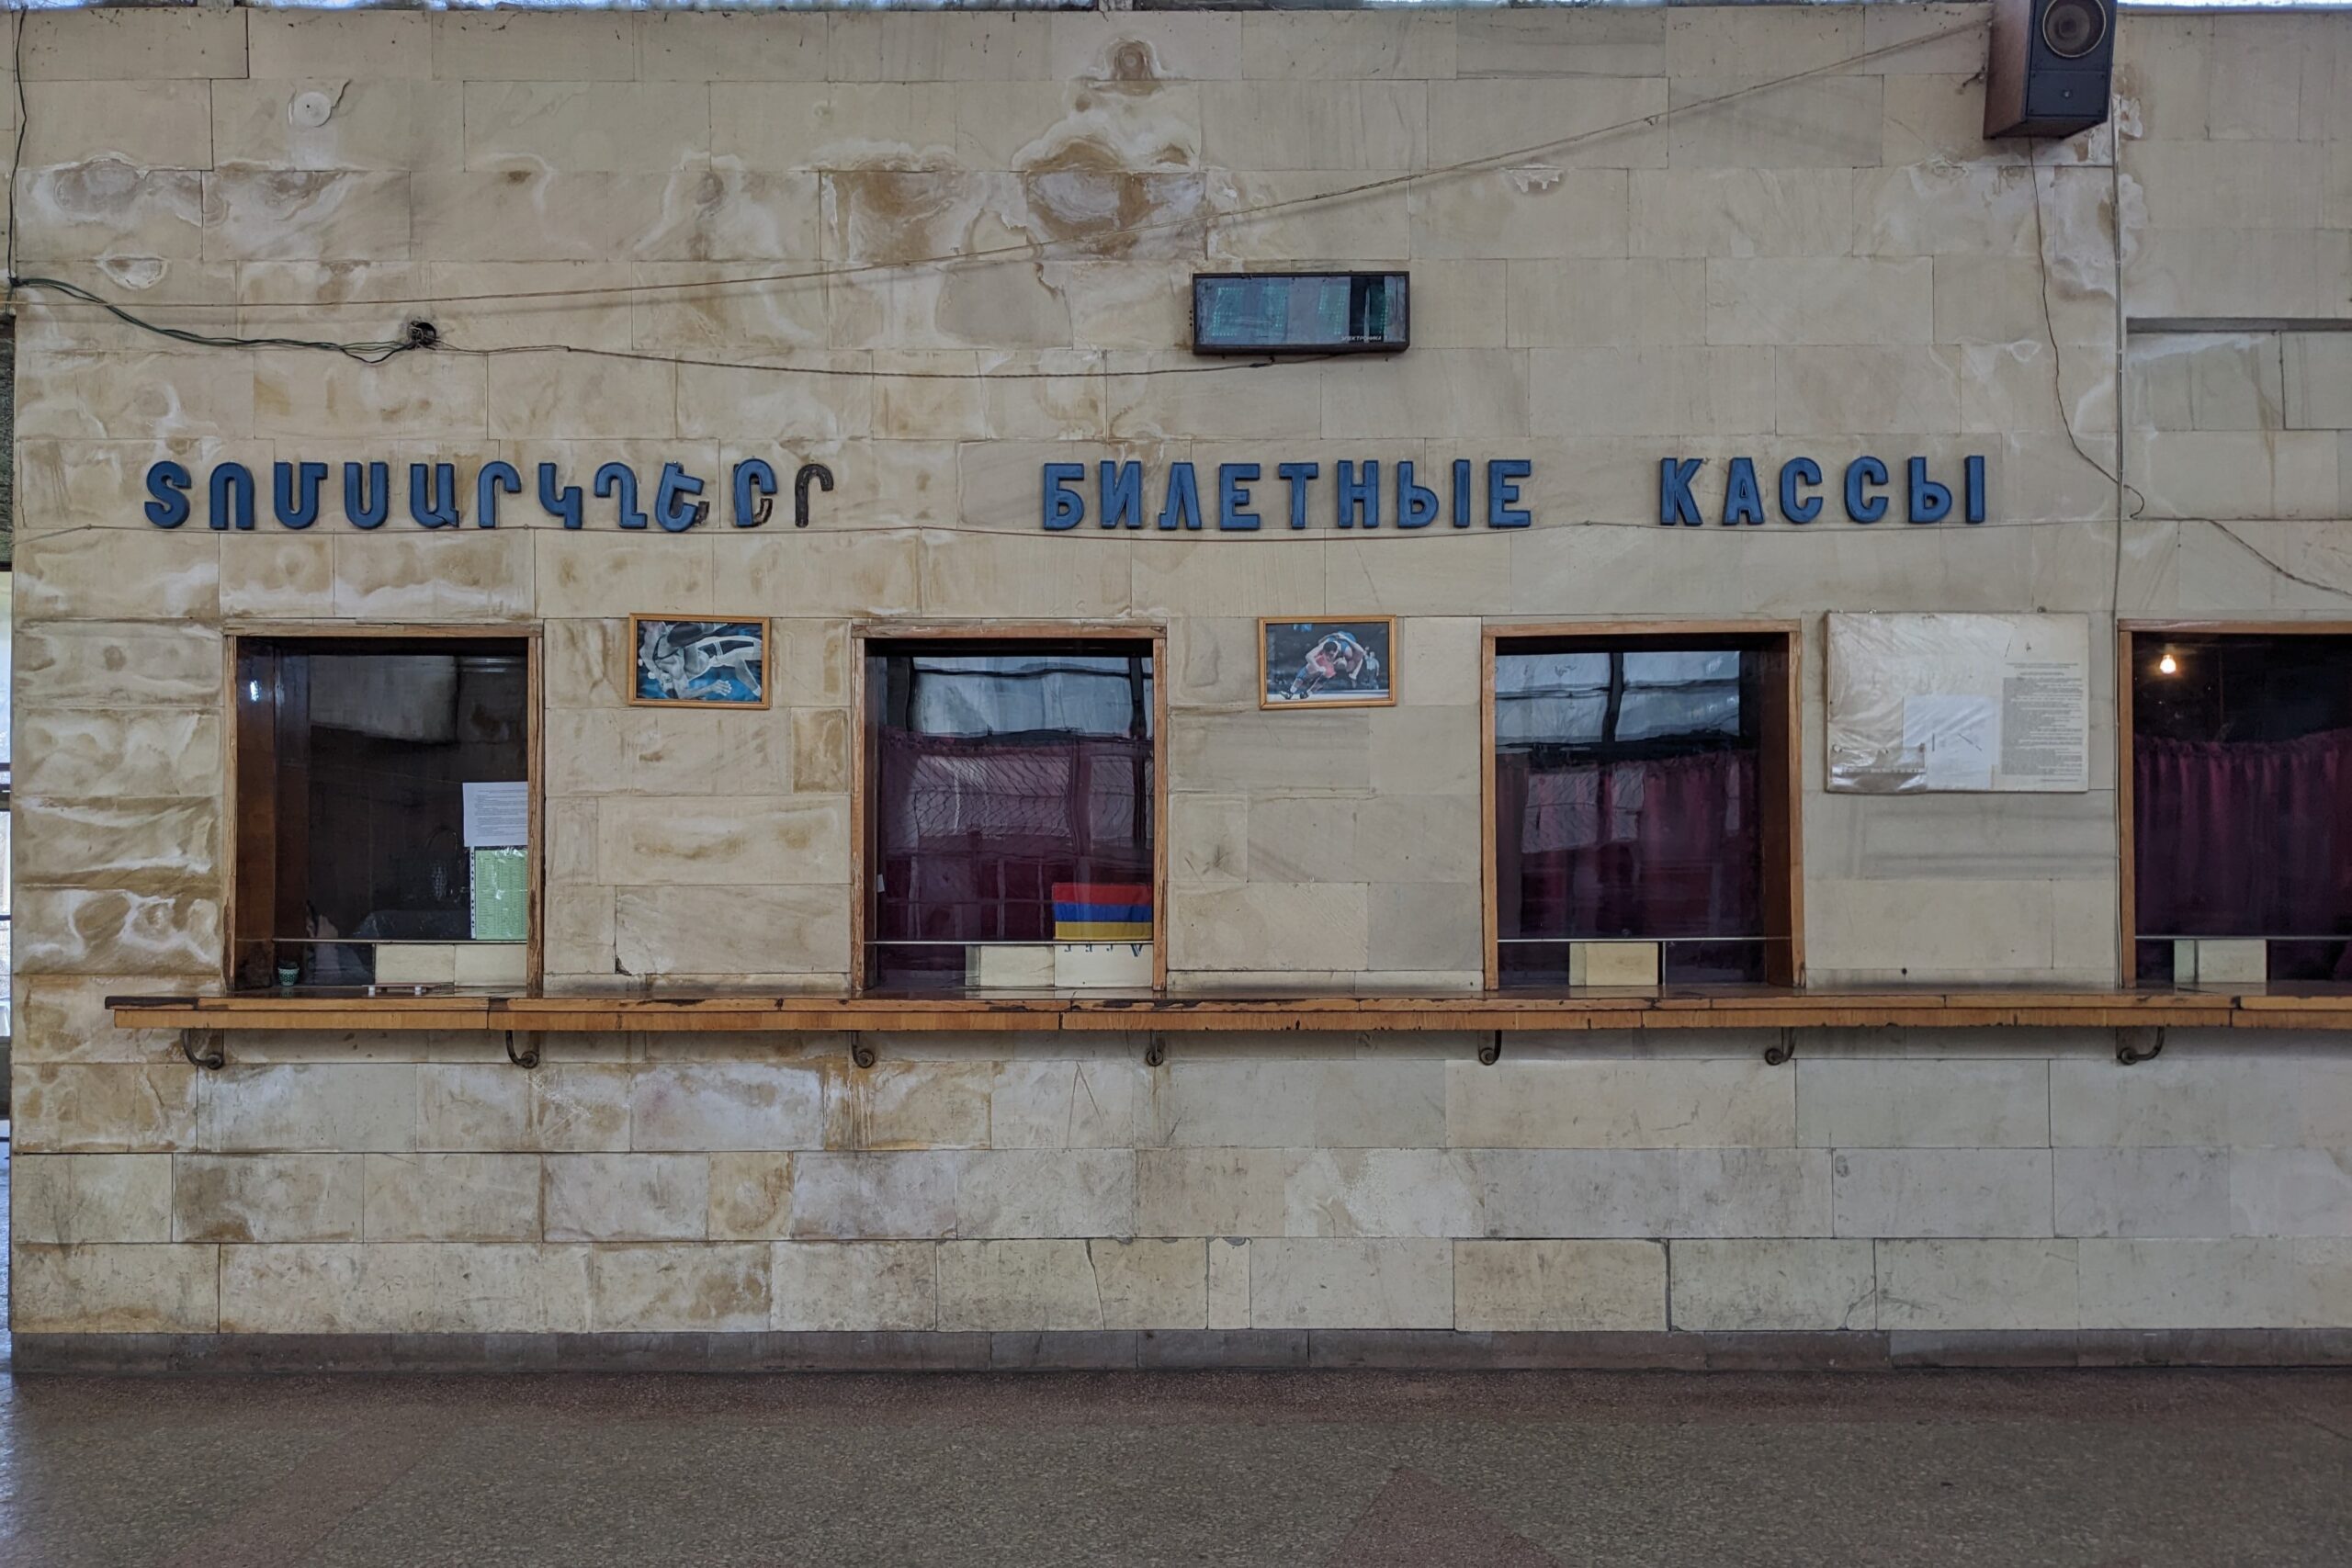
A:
1921, 703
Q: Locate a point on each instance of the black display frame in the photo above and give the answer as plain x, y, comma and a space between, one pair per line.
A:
1204, 280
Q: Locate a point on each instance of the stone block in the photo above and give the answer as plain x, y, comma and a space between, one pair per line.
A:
1819, 299
1382, 1192
911, 1105
650, 127
605, 575
108, 207
668, 841
1302, 840
2318, 374
1901, 388
697, 46
982, 575
1283, 216
280, 579
717, 1288
415, 395
2227, 185
266, 1198
291, 44
1642, 391
78, 395
1549, 43
560, 1107
630, 1197
726, 1105
106, 46
153, 846
855, 1286
340, 1107
1675, 1103
1062, 1105
1272, 926
84, 755
1844, 1103
843, 575
119, 666
275, 214
146, 1108
75, 1199
389, 125
2143, 1191
1516, 1286
1213, 1192
408, 577
146, 1289
507, 47
1046, 1193
1313, 124
1758, 45
1228, 1282
1292, 46
1425, 927
448, 1197
1452, 393
1053, 1285
849, 1197
440, 1288
1581, 122
732, 932
146, 124
750, 1196
1833, 122
1652, 1193
2204, 1284
1351, 1283
1539, 211
1744, 1285
1141, 48
2292, 1192
1735, 212
66, 1018
1942, 1192
1978, 1285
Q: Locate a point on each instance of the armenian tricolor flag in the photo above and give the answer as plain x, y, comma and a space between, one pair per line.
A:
1102, 911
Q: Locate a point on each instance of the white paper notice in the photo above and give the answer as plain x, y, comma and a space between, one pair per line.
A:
1955, 734
498, 816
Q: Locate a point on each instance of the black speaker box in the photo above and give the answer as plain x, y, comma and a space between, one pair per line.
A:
2049, 66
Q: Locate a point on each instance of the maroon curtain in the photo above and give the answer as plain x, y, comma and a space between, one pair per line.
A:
1661, 849
2234, 838
973, 833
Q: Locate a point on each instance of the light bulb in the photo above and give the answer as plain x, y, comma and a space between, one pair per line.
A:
2167, 665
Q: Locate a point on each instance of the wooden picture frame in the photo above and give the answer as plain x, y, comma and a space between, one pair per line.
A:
1780, 770
1305, 639
634, 676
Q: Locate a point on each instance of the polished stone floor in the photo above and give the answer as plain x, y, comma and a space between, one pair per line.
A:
2087, 1469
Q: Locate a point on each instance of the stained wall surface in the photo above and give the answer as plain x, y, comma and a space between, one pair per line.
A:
1631, 233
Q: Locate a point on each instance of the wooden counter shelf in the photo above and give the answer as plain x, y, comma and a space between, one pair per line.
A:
1512, 1013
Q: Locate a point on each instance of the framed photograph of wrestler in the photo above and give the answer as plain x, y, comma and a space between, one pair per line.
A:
1328, 663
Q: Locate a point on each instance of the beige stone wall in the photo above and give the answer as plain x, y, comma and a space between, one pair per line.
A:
1829, 266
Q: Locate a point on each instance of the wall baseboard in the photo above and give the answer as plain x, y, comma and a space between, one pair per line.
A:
1396, 1349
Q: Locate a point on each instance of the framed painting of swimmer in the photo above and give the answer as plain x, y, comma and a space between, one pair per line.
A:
1328, 663
698, 663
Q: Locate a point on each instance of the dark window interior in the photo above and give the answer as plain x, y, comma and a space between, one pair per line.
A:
2242, 798
1638, 796
999, 772
352, 759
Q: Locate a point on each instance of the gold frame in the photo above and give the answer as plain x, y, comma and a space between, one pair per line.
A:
767, 671
1312, 705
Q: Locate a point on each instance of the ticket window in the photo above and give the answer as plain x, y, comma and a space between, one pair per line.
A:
1643, 823
1011, 816
2240, 814
386, 820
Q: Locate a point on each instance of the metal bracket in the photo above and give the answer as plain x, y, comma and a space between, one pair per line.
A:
526, 1059
1155, 1050
861, 1049
1782, 1050
1491, 1051
215, 1054
2129, 1044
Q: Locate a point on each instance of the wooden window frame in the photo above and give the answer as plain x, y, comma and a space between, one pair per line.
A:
862, 847
247, 847
1782, 725
2126, 848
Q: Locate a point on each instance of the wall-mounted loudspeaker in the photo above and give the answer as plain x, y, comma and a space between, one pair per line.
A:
2049, 68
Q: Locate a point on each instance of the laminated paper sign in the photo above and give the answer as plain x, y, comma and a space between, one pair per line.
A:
1921, 703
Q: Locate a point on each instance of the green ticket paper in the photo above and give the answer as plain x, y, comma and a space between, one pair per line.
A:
502, 895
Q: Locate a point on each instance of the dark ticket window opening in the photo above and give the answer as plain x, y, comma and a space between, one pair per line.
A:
2242, 799
1004, 777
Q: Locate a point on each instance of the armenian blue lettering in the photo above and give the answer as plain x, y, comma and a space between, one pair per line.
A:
296, 492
